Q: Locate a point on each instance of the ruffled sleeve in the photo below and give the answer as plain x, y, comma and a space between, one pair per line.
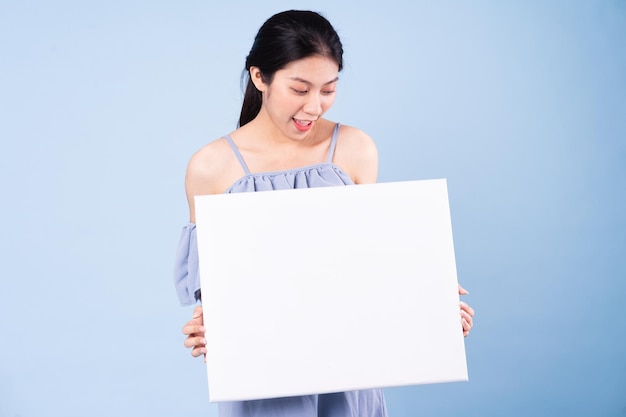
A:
186, 274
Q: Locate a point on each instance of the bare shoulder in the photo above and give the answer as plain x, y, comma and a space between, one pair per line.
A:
356, 153
210, 171
204, 166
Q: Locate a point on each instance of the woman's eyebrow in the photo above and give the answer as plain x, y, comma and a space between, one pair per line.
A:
302, 80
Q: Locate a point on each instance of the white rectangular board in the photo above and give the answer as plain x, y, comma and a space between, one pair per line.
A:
329, 289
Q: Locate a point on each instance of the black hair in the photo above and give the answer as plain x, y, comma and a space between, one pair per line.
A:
286, 37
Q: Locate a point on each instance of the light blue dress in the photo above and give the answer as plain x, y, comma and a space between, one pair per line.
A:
364, 403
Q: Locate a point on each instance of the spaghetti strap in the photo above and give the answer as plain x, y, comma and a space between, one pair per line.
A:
333, 144
238, 154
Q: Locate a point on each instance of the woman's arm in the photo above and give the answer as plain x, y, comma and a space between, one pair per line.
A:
211, 170
199, 178
204, 176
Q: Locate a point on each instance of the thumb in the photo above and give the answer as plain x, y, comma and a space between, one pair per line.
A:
197, 312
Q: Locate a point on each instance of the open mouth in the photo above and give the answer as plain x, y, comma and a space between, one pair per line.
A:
303, 125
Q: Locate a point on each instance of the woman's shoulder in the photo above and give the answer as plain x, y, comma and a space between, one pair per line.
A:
210, 167
353, 137
210, 153
356, 152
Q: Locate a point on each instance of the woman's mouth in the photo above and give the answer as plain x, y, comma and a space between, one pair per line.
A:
303, 125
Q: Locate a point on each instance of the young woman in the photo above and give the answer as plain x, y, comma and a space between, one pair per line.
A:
283, 142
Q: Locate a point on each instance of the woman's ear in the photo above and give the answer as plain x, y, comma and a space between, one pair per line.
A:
257, 78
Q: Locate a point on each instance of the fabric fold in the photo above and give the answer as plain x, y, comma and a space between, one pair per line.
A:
320, 175
186, 273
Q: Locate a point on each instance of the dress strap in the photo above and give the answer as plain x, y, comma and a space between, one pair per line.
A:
333, 143
237, 154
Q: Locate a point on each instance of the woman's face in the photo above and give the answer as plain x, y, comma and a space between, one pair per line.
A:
300, 94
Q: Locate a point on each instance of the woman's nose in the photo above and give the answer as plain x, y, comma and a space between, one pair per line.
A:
313, 105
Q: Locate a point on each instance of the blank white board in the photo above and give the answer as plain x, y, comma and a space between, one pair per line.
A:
329, 289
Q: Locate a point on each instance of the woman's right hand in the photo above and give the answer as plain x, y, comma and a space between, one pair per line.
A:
194, 329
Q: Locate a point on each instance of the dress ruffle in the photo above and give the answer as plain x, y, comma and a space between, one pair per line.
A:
320, 175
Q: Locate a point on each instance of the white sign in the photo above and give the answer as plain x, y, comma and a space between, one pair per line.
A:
329, 289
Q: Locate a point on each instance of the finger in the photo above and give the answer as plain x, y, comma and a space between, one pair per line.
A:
191, 328
198, 351
195, 342
465, 307
467, 318
466, 327
462, 291
195, 322
197, 312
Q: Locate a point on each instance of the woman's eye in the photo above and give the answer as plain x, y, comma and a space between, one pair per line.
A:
299, 91
328, 92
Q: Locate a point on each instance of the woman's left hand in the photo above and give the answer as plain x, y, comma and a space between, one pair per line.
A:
467, 314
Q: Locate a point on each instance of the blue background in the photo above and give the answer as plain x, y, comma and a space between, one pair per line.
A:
521, 105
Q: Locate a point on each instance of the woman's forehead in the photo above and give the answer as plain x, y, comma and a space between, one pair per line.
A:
315, 69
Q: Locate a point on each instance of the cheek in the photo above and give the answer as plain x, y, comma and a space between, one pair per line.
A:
277, 100
283, 96
328, 101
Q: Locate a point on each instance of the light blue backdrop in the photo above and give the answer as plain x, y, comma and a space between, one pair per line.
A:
521, 105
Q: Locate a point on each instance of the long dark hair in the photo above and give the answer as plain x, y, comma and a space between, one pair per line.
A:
286, 37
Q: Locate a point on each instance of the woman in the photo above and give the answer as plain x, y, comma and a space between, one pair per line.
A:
283, 142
